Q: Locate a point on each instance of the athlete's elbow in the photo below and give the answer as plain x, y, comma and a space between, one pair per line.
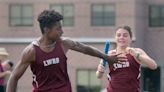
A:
153, 66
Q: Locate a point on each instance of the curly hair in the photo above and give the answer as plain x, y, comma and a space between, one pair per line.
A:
48, 18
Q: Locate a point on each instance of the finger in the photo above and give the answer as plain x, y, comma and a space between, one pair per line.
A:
130, 50
119, 62
122, 59
127, 50
101, 67
118, 54
100, 70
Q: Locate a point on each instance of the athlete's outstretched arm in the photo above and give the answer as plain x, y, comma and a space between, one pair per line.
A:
144, 58
27, 57
89, 50
141, 57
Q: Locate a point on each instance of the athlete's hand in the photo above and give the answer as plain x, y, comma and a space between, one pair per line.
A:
101, 68
115, 59
133, 52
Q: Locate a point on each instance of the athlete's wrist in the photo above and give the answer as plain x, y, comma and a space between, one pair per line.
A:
105, 57
138, 55
101, 68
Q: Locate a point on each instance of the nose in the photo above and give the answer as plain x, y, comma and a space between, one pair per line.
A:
121, 37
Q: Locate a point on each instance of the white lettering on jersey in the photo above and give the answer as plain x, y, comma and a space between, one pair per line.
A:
121, 65
34, 79
51, 61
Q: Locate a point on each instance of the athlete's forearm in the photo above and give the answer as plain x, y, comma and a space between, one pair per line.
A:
94, 52
148, 61
12, 84
86, 49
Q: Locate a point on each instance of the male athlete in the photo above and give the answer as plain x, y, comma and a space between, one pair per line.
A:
46, 57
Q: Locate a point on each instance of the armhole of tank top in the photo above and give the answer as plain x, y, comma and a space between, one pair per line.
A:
61, 47
35, 48
136, 61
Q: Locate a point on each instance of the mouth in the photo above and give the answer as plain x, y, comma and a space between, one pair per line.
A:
121, 41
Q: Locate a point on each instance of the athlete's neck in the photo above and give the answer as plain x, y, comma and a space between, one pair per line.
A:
44, 41
121, 49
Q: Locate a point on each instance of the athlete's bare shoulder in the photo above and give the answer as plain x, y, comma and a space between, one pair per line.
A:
139, 50
67, 42
28, 54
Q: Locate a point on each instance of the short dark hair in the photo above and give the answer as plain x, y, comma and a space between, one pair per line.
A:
128, 29
48, 18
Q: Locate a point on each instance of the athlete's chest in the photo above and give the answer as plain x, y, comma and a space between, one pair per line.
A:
129, 62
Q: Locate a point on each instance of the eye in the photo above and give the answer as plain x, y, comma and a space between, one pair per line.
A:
125, 35
118, 35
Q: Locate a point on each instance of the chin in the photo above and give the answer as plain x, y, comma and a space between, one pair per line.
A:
122, 45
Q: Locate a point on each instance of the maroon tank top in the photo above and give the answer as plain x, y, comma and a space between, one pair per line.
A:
50, 70
125, 77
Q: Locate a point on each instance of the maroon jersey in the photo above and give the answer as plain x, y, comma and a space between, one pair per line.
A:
50, 70
125, 77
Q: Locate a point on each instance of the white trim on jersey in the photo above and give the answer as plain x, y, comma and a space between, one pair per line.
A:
34, 79
139, 75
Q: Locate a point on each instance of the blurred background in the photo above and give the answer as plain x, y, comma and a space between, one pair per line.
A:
91, 22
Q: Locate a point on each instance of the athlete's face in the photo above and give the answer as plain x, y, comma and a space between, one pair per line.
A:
55, 32
122, 38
